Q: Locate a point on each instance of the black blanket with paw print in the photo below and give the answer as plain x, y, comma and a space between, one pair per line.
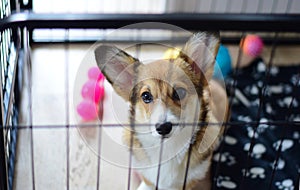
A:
261, 149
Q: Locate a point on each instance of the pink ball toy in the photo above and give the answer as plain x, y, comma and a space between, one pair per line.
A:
92, 93
92, 90
252, 45
87, 109
95, 73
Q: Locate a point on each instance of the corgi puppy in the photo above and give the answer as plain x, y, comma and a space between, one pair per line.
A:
176, 112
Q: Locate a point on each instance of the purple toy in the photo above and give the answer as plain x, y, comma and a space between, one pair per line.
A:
252, 45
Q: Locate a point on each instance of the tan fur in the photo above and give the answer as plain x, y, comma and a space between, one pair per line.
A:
191, 71
137, 149
204, 184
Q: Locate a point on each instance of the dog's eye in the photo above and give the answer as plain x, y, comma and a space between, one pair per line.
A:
179, 94
147, 97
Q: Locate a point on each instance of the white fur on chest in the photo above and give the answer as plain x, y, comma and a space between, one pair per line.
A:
172, 174
173, 165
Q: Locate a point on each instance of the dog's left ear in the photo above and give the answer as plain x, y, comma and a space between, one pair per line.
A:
118, 68
200, 52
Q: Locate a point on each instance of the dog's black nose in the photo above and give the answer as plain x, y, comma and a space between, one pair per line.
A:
164, 128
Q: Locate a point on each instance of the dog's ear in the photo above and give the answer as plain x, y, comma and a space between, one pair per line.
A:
200, 52
118, 68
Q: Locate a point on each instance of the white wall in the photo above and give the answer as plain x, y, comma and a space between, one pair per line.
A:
99, 6
161, 6
234, 6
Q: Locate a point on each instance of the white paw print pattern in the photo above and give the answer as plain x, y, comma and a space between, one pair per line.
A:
286, 184
254, 90
278, 89
230, 140
296, 135
244, 118
296, 118
269, 109
286, 101
225, 182
258, 150
226, 157
274, 70
261, 67
280, 164
286, 144
262, 127
295, 80
255, 172
275, 89
252, 133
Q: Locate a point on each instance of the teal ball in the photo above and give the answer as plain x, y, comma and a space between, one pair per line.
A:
223, 63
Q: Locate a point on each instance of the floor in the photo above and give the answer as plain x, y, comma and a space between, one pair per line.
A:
51, 112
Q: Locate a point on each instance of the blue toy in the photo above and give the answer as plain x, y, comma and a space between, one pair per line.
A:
223, 63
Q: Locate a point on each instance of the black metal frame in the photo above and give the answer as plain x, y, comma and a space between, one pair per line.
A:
188, 21
9, 118
224, 22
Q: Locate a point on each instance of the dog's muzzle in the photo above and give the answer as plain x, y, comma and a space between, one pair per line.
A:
163, 128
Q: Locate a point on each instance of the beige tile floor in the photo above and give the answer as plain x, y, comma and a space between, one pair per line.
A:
49, 108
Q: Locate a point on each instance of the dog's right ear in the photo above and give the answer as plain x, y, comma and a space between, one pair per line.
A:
200, 52
118, 68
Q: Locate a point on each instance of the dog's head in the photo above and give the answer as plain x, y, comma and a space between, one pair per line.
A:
165, 93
